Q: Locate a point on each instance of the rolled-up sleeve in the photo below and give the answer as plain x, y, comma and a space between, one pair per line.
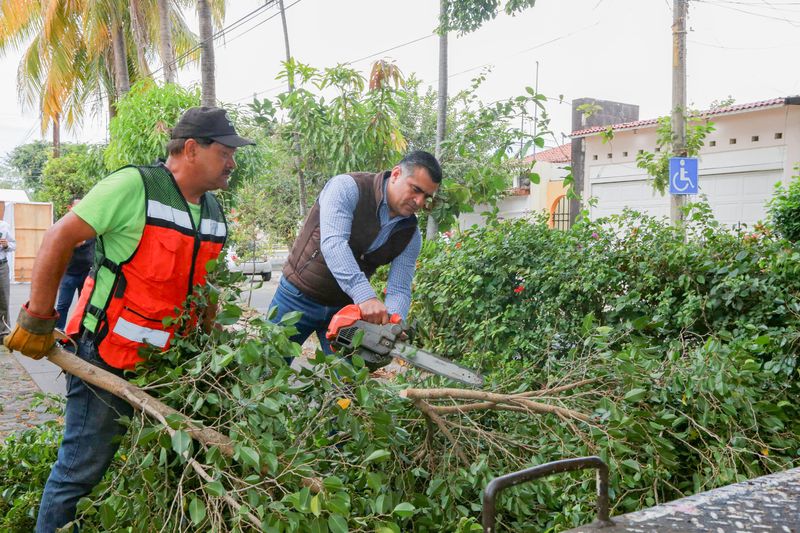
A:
337, 203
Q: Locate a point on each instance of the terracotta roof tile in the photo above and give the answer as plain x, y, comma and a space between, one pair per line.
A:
559, 154
737, 108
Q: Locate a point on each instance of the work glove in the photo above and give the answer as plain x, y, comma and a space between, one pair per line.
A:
33, 335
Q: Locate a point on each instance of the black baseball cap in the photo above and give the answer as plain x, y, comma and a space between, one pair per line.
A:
209, 123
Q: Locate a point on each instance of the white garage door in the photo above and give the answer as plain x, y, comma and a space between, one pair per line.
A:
613, 197
740, 198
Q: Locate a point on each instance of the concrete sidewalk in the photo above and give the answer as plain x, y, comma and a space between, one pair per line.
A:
47, 376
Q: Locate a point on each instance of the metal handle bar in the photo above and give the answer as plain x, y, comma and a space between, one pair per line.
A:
501, 483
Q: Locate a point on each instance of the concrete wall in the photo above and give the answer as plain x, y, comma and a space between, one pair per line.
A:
609, 113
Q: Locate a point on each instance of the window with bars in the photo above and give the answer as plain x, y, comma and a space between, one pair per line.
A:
560, 213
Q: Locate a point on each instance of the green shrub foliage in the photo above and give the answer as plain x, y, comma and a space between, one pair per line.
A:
784, 209
694, 339
686, 348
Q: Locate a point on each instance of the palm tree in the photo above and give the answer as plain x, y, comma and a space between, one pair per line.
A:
165, 41
208, 81
76, 52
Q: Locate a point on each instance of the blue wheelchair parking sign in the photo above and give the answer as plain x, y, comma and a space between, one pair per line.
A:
683, 175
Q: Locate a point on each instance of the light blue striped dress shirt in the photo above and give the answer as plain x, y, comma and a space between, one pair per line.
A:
337, 202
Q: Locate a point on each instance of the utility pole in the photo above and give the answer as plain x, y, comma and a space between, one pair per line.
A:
298, 161
432, 228
536, 109
679, 14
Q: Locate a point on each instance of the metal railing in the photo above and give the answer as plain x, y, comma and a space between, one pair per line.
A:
501, 483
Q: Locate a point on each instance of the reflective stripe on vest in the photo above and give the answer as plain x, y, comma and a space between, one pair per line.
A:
142, 334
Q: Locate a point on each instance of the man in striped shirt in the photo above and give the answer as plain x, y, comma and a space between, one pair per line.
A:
359, 222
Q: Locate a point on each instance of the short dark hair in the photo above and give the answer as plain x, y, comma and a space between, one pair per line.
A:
175, 146
421, 158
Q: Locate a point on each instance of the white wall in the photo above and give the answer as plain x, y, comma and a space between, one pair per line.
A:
737, 178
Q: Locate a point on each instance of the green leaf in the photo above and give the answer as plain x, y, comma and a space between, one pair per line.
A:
215, 488
230, 315
249, 456
377, 456
291, 318
762, 340
224, 360
404, 510
337, 524
272, 462
634, 395
316, 505
197, 510
181, 443
107, 516
332, 483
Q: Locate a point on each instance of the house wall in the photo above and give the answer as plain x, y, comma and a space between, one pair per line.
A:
542, 196
737, 177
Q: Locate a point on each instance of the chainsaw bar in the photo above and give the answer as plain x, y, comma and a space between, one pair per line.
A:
435, 364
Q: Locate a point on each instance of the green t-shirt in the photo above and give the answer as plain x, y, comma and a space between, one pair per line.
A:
115, 209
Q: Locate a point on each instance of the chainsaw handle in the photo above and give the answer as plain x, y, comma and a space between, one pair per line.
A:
349, 315
344, 318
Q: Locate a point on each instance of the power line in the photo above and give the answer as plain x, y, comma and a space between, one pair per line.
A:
392, 48
722, 5
262, 22
401, 45
418, 39
239, 22
744, 48
526, 50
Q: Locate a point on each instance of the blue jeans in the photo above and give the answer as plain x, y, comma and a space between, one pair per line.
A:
66, 290
91, 438
315, 315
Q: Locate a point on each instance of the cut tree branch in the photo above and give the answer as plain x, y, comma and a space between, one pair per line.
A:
136, 397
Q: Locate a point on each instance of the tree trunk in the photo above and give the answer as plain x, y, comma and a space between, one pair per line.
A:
208, 84
441, 111
56, 136
298, 162
165, 41
139, 37
122, 80
290, 79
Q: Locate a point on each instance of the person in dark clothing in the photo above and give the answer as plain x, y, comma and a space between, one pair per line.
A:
77, 270
359, 222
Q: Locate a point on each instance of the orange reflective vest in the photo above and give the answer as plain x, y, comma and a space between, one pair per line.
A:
169, 262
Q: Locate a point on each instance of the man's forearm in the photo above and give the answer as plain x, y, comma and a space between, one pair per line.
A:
51, 261
48, 269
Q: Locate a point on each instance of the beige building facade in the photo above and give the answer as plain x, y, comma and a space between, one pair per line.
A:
526, 198
753, 147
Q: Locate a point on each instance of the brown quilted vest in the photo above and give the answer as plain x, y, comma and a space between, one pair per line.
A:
305, 267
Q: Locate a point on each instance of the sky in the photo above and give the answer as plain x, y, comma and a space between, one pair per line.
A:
618, 50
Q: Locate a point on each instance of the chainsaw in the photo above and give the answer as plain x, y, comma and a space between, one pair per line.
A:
377, 344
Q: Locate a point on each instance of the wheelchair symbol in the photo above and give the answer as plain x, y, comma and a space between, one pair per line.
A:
680, 180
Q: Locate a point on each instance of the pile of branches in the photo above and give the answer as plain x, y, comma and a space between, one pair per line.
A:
244, 442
